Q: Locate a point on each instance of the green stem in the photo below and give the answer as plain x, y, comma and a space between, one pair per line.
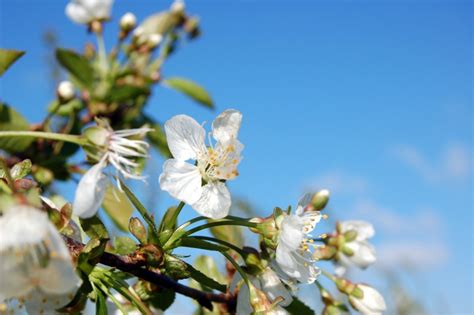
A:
237, 267
102, 53
219, 223
45, 135
226, 244
328, 275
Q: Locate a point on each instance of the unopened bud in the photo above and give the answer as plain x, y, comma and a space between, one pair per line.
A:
320, 199
335, 309
176, 268
154, 40
97, 135
252, 260
138, 230
128, 21
65, 91
351, 235
178, 7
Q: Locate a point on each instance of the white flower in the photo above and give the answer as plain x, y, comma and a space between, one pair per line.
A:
86, 11
128, 21
363, 252
66, 91
177, 6
372, 302
293, 254
269, 283
117, 150
214, 164
33, 255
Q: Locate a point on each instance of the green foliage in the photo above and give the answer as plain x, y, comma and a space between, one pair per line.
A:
118, 207
7, 58
298, 307
77, 66
190, 89
11, 120
124, 245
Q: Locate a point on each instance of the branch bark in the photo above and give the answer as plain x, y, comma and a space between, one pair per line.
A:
134, 264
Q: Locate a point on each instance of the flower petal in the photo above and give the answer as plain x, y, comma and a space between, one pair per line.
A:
226, 126
364, 229
185, 137
291, 233
59, 277
90, 192
214, 202
364, 253
181, 180
77, 13
273, 287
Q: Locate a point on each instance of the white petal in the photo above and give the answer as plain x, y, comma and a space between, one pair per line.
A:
181, 180
372, 303
364, 229
90, 192
39, 302
14, 282
214, 202
185, 137
364, 253
291, 233
274, 288
102, 9
226, 126
59, 277
77, 13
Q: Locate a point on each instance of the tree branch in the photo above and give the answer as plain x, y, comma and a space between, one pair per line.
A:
133, 264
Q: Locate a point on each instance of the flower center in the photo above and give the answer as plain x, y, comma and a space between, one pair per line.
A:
219, 163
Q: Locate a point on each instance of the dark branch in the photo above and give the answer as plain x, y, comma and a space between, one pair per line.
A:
133, 264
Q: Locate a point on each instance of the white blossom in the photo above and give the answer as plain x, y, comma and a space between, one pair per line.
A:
201, 184
86, 11
270, 284
33, 255
363, 253
293, 253
66, 91
372, 302
128, 21
120, 152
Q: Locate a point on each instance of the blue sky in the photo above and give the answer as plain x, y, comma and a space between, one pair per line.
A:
372, 99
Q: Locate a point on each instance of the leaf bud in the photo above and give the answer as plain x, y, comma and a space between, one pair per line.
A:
138, 230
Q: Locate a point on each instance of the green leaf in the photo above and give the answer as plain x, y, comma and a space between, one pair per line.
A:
100, 303
10, 120
118, 207
21, 169
124, 245
7, 58
126, 92
141, 209
205, 281
78, 66
298, 307
94, 228
162, 299
191, 89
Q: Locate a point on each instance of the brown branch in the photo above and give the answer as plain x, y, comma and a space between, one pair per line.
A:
133, 264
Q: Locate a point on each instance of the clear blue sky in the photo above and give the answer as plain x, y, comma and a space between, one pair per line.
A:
372, 99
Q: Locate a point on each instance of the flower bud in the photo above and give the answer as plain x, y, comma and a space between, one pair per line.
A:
65, 91
320, 199
369, 301
252, 260
138, 230
154, 40
154, 254
335, 309
97, 135
178, 7
128, 22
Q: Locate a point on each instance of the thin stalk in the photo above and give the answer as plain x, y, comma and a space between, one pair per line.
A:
220, 223
45, 135
102, 53
237, 267
226, 244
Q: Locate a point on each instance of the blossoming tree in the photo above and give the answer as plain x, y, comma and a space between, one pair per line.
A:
55, 256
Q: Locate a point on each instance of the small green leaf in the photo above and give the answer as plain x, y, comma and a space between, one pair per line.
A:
77, 65
124, 245
21, 169
7, 58
126, 92
191, 89
229, 233
11, 120
118, 207
100, 303
205, 281
298, 307
94, 228
141, 209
